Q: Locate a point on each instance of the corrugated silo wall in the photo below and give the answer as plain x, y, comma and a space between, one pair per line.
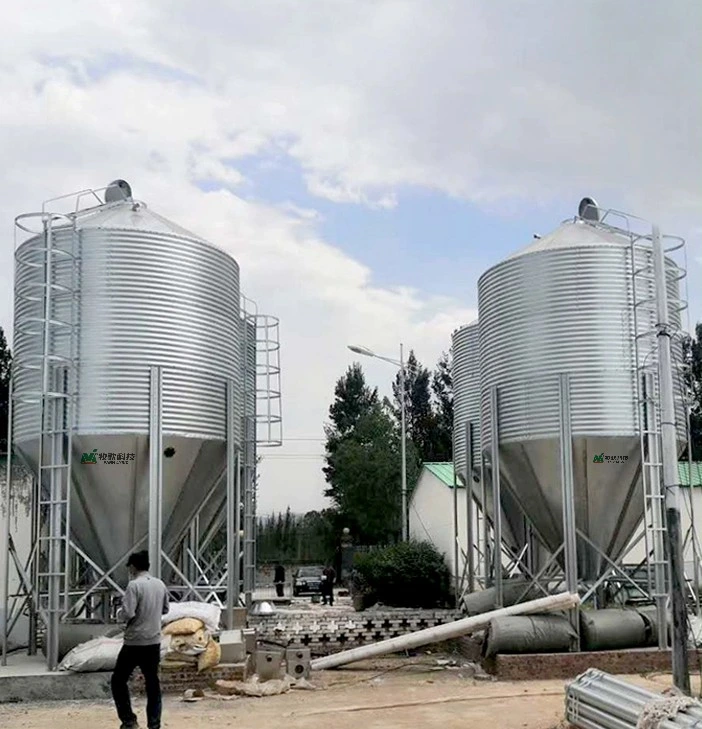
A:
570, 310
466, 394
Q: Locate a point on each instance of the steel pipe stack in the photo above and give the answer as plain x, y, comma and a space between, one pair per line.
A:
596, 700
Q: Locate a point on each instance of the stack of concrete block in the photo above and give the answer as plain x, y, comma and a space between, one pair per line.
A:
332, 633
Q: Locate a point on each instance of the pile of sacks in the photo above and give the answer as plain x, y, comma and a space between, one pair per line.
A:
190, 643
189, 629
188, 640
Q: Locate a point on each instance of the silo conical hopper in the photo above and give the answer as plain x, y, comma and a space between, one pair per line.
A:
147, 293
562, 305
466, 408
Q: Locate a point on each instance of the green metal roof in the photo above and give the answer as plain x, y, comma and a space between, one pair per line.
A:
684, 473
444, 472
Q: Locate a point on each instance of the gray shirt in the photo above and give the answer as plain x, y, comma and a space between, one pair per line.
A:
145, 602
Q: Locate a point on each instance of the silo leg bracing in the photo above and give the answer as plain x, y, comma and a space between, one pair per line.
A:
261, 428
127, 401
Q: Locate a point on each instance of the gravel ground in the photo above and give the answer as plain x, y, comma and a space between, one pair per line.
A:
387, 693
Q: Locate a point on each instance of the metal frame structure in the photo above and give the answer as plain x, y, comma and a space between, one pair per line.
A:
490, 550
261, 428
77, 601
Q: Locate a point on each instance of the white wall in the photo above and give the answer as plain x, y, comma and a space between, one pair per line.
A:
638, 552
20, 529
431, 517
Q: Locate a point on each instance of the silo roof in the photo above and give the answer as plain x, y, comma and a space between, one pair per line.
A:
130, 215
573, 234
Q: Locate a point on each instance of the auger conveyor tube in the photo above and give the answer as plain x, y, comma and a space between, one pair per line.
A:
455, 629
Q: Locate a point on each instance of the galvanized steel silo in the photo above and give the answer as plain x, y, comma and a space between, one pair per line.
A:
144, 293
465, 374
564, 304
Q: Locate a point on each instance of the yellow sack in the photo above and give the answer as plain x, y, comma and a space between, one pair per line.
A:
185, 626
211, 657
190, 644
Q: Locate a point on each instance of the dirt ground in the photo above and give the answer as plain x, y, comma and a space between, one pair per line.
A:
389, 694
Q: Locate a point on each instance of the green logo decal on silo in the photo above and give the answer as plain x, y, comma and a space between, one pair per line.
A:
89, 457
598, 459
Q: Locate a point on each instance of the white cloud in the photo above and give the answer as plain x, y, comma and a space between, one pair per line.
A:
487, 101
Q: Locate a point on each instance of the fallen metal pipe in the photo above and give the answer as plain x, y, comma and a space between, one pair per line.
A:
455, 629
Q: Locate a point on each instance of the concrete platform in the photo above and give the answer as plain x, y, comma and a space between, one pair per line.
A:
26, 679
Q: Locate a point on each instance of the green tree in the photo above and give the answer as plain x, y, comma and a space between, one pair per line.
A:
5, 367
366, 484
442, 385
692, 353
427, 426
352, 399
363, 462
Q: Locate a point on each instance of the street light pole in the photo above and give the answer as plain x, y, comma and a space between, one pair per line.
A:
403, 447
403, 426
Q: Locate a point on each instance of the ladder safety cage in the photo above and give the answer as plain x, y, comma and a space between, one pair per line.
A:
645, 370
48, 276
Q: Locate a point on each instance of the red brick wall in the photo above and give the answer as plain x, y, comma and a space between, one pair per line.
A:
177, 680
570, 665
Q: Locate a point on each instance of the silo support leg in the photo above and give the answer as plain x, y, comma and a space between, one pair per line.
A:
155, 471
232, 509
496, 493
470, 555
567, 483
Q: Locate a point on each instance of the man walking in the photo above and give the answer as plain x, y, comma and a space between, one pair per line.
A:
145, 602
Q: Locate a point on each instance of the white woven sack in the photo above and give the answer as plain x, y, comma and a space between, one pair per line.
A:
207, 613
99, 654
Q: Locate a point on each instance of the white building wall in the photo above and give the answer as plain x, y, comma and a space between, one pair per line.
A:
20, 529
431, 518
637, 553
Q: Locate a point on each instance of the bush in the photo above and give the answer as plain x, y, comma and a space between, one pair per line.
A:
409, 574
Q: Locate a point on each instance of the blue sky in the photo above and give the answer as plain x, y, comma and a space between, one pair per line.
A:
428, 240
425, 140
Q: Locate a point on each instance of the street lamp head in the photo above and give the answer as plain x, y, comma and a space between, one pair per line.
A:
361, 350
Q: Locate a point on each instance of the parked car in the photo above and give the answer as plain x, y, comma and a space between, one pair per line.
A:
307, 581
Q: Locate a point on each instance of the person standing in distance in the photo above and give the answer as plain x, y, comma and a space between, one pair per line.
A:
145, 602
279, 580
328, 577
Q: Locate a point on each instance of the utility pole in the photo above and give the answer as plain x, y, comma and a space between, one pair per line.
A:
669, 453
403, 447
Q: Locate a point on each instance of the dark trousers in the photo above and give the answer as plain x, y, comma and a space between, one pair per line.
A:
279, 589
147, 659
328, 594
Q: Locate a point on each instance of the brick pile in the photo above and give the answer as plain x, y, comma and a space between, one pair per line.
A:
177, 680
331, 633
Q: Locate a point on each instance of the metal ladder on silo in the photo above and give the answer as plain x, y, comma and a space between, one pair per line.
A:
648, 409
56, 434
